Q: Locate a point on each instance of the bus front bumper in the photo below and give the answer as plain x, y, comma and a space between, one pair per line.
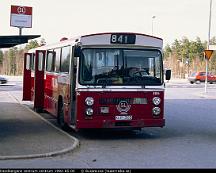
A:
121, 124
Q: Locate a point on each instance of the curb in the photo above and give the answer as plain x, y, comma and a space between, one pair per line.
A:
49, 154
8, 84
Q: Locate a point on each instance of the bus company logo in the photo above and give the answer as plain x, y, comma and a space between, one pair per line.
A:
123, 107
21, 10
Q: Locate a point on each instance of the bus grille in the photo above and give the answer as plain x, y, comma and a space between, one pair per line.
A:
114, 101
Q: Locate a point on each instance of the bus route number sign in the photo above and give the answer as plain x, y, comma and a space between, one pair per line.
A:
123, 39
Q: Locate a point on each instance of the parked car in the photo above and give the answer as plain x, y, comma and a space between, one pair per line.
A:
198, 77
3, 80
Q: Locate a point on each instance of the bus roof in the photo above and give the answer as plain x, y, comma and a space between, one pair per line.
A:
122, 33
105, 39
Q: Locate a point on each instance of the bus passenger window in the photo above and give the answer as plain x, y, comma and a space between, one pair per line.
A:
65, 59
28, 60
40, 61
57, 59
50, 61
32, 63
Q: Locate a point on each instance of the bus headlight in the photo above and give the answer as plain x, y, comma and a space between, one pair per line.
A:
156, 110
156, 100
89, 101
89, 111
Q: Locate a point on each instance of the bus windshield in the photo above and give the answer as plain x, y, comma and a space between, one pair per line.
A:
120, 67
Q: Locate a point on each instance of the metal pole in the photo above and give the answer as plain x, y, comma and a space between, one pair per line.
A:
20, 31
209, 31
209, 35
206, 79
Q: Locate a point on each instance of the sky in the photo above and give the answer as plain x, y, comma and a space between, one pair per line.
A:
54, 19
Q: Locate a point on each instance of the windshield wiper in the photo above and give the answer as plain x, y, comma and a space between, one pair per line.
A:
104, 82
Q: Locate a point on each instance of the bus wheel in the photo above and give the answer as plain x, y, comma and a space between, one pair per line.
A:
60, 118
39, 110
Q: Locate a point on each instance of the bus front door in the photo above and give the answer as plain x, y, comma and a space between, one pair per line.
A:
39, 80
27, 77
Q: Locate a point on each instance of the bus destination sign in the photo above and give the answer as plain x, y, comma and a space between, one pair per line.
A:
123, 39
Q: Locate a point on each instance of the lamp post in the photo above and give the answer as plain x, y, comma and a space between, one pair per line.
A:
153, 17
209, 35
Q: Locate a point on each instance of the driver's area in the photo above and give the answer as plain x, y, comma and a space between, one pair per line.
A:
120, 67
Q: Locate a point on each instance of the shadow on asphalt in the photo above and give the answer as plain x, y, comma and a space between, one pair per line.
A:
114, 134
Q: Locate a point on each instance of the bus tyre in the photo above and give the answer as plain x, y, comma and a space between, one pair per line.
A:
39, 110
60, 118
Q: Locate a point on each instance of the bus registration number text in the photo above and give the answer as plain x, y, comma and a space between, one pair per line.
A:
123, 117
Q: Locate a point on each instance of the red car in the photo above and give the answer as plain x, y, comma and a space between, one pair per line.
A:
198, 77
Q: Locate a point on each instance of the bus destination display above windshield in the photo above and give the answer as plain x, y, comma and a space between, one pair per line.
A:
123, 38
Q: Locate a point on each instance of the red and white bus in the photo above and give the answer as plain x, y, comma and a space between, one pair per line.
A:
104, 80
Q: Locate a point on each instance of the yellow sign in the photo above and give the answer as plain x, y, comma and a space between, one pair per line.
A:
208, 53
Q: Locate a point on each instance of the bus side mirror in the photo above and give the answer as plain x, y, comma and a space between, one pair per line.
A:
77, 51
168, 74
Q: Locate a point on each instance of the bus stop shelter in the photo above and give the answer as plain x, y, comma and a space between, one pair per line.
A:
10, 41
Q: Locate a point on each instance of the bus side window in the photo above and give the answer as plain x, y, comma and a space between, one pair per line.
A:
32, 62
57, 59
50, 61
40, 61
65, 59
28, 62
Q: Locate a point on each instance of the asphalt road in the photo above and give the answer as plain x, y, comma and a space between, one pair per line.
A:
187, 141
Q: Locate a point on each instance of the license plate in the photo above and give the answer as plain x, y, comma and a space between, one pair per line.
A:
123, 117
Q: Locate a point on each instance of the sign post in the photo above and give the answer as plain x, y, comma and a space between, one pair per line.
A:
207, 54
21, 17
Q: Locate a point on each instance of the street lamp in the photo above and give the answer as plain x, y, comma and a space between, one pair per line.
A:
209, 35
153, 17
